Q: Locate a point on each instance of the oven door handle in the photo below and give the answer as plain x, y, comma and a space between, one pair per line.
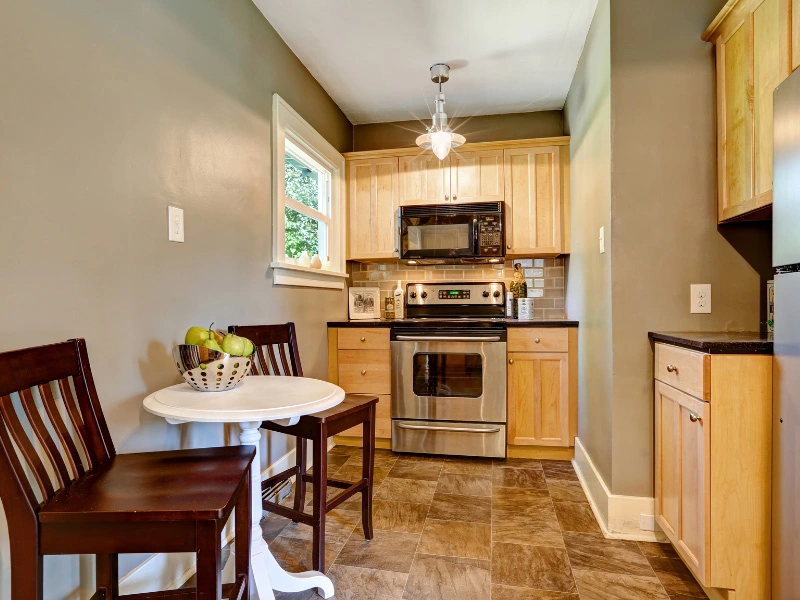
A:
457, 429
434, 338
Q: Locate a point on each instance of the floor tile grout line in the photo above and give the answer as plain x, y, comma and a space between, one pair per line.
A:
416, 548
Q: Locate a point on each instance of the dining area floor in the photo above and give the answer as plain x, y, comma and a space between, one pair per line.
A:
458, 528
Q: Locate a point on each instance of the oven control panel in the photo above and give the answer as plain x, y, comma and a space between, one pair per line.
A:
472, 294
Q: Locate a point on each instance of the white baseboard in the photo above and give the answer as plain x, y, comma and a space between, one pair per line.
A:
618, 516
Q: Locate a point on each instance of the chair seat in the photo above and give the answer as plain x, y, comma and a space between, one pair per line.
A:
180, 485
351, 404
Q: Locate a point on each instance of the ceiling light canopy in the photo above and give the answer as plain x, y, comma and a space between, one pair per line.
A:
440, 138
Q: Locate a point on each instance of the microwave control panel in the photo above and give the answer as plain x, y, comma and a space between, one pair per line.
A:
490, 235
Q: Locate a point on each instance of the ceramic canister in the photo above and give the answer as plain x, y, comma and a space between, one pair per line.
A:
525, 309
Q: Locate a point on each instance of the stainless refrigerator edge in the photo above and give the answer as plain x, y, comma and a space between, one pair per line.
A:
786, 383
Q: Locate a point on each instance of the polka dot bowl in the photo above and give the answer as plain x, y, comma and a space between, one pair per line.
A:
207, 370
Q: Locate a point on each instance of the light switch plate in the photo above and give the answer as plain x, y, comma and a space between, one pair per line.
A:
175, 223
603, 240
700, 298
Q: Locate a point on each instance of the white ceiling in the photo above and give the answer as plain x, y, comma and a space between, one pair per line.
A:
373, 56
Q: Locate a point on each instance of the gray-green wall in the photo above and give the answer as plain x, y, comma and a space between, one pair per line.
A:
110, 111
484, 128
658, 79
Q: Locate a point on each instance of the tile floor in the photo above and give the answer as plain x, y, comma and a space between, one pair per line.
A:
464, 529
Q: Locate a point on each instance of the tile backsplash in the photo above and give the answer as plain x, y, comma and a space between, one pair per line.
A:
545, 278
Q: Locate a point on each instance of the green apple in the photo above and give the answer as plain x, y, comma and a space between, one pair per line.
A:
233, 344
196, 336
248, 347
212, 344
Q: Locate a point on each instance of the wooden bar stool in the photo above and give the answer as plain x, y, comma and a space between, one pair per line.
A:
277, 354
84, 498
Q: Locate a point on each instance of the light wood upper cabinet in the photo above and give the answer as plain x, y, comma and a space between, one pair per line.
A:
755, 51
424, 179
373, 208
534, 204
476, 176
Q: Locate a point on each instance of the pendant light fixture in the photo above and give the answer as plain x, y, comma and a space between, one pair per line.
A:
440, 138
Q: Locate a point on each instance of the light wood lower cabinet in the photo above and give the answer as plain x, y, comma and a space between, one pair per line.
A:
542, 386
713, 465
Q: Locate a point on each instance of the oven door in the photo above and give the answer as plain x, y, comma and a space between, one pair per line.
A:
449, 377
438, 236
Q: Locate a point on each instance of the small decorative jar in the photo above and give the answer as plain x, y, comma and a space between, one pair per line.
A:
518, 287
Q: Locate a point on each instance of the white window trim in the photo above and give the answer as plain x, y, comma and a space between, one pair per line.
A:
285, 271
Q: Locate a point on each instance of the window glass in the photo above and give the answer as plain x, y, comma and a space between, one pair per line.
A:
307, 190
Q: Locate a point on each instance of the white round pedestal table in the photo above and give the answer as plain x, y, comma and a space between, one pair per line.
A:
256, 399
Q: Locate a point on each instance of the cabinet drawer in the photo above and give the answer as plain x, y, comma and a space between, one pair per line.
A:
545, 339
363, 338
383, 420
365, 371
685, 370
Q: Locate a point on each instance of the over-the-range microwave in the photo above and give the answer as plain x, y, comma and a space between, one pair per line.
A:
452, 233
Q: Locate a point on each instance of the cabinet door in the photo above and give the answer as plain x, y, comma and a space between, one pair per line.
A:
424, 179
682, 474
538, 399
372, 208
793, 35
476, 176
533, 201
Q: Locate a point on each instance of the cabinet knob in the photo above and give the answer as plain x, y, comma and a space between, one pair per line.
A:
537, 340
447, 196
672, 369
694, 418
455, 197
511, 361
396, 250
508, 246
363, 371
363, 339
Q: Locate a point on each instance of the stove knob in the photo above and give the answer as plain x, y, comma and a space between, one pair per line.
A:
485, 293
496, 294
413, 294
424, 294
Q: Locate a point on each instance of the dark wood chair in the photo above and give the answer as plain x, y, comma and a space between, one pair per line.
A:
76, 495
277, 354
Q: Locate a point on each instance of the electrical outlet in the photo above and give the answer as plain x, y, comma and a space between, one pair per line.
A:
700, 298
175, 223
603, 240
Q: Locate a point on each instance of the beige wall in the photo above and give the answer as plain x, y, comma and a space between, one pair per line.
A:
587, 119
485, 128
110, 111
665, 235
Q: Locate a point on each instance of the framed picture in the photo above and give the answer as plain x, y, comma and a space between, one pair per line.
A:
365, 302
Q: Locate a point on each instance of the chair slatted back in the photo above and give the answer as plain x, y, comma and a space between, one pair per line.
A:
53, 386
275, 348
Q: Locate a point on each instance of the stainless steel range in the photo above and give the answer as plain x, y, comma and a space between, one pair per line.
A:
448, 370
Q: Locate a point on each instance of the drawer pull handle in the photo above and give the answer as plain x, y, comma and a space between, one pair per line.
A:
363, 339
537, 340
363, 371
455, 429
511, 361
672, 369
694, 418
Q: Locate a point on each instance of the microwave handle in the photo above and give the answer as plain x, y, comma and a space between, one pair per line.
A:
475, 237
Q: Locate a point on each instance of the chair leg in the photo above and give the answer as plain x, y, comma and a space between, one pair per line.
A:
241, 542
26, 568
107, 574
368, 471
300, 484
320, 482
209, 561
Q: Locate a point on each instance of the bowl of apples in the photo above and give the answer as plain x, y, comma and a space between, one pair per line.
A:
211, 361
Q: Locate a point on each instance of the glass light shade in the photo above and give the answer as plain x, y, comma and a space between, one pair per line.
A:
440, 142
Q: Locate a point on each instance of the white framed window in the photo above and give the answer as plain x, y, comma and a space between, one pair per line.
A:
308, 202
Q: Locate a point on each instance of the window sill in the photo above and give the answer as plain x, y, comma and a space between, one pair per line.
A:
294, 275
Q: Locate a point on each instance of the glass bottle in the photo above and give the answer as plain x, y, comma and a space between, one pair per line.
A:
518, 287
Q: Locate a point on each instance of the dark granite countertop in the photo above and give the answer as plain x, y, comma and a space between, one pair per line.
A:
453, 323
718, 342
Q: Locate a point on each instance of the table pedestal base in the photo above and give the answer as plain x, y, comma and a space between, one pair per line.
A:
267, 574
